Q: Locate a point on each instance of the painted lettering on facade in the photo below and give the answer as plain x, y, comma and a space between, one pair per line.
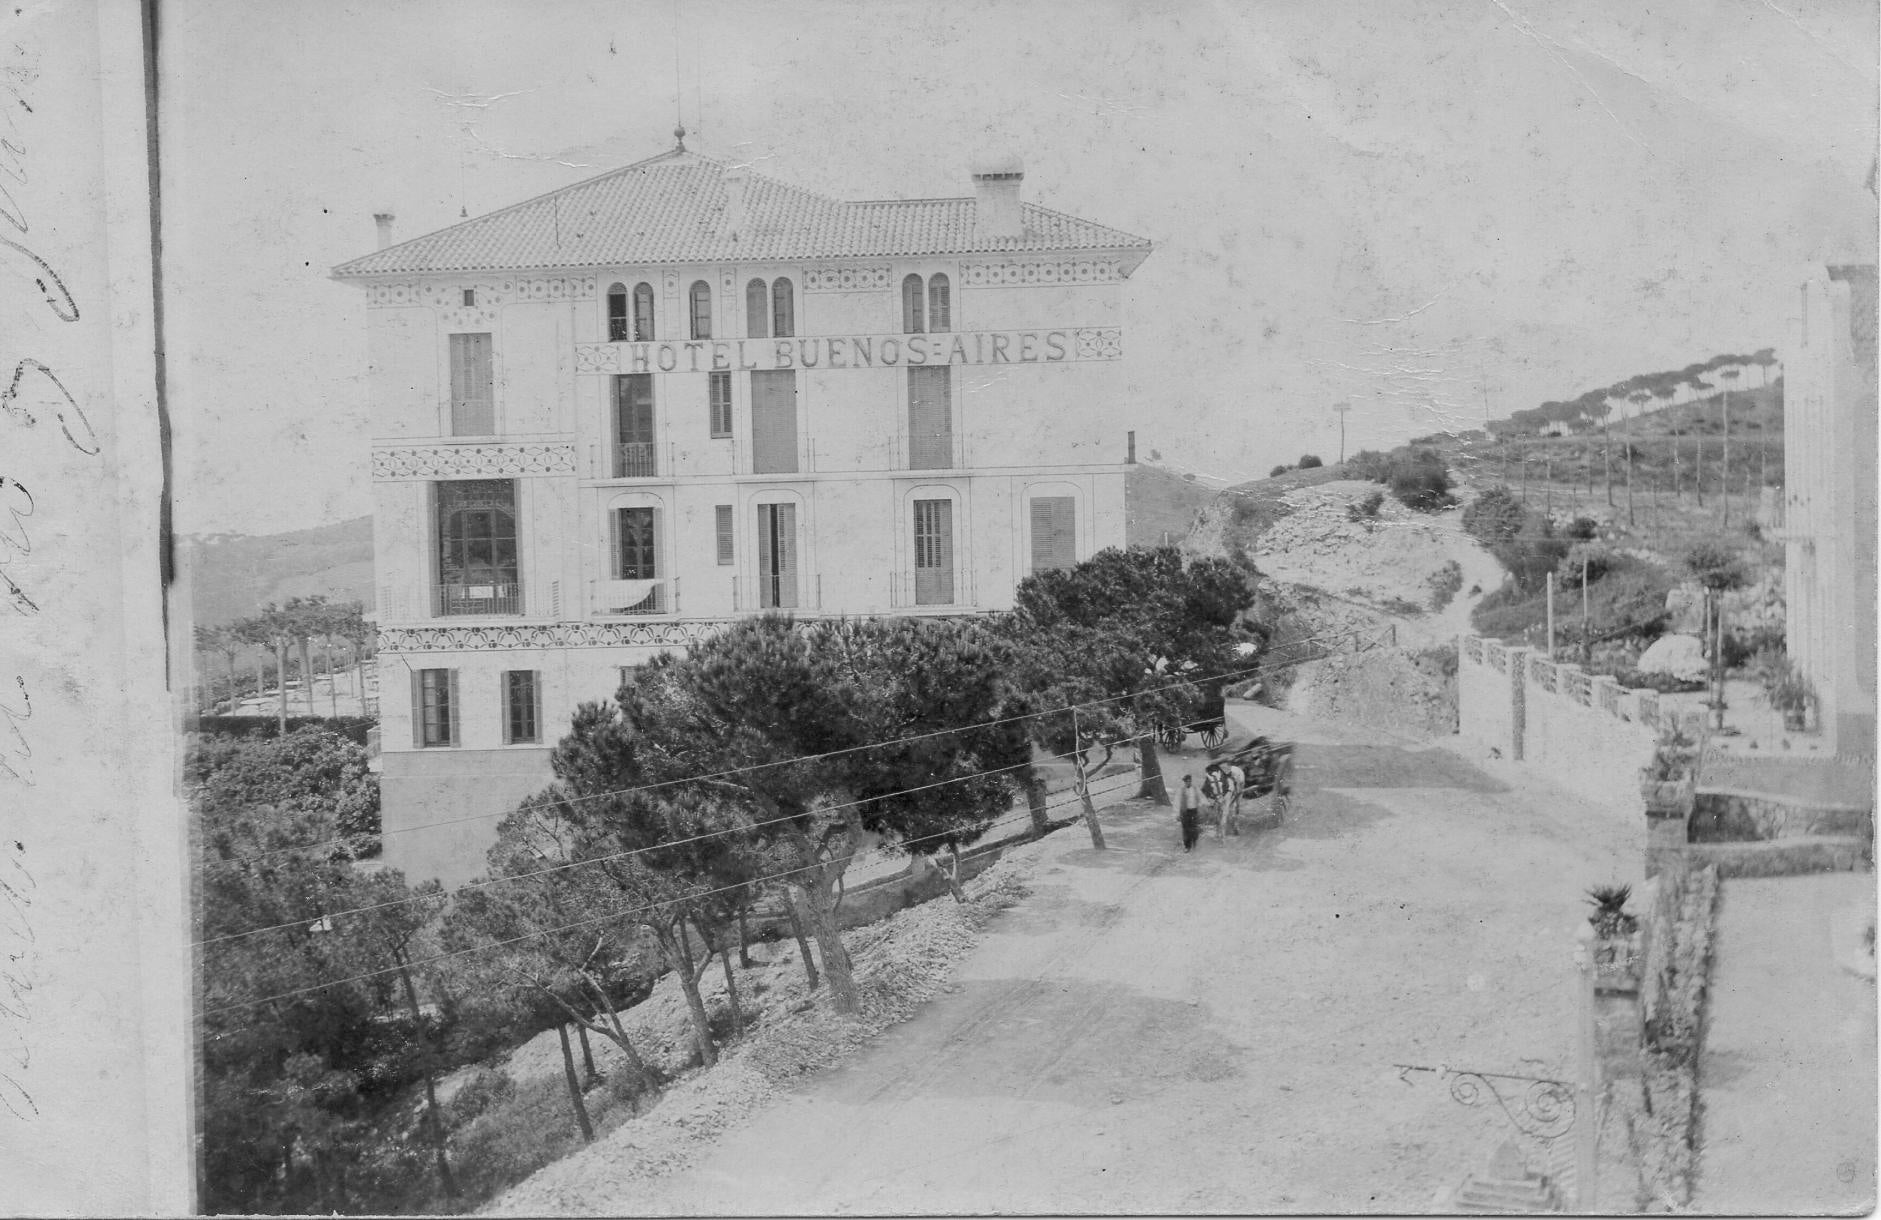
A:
853, 351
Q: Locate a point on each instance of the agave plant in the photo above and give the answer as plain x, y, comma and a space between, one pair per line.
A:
1610, 918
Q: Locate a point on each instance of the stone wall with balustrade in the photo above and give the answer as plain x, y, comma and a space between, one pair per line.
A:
1583, 731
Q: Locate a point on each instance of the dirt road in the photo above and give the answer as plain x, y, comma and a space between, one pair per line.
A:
1159, 1032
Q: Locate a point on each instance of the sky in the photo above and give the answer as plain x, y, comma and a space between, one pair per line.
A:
1434, 210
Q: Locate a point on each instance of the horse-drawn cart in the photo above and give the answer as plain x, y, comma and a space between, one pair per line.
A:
1211, 722
1268, 766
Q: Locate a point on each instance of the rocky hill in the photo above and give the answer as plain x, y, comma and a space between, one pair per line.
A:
233, 575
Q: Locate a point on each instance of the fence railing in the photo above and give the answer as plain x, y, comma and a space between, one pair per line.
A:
636, 459
455, 599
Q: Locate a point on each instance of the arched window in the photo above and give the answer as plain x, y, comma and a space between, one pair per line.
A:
783, 309
617, 312
701, 297
939, 306
643, 313
911, 305
757, 310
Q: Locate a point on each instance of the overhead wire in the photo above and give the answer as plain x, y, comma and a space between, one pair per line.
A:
611, 915
344, 840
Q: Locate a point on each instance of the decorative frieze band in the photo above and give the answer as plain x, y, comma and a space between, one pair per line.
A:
847, 279
1028, 274
471, 461
674, 634
449, 294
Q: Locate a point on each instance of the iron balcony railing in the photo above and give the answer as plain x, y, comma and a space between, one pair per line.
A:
636, 459
455, 599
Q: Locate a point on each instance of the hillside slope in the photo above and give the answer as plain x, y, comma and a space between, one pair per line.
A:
233, 575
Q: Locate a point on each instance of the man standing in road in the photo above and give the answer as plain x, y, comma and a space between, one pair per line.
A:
1189, 810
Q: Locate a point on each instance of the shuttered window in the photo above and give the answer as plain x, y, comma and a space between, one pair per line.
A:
643, 313
911, 312
722, 527
719, 394
701, 298
473, 386
939, 304
930, 418
757, 310
434, 707
522, 707
933, 552
774, 421
1054, 532
635, 455
783, 309
777, 556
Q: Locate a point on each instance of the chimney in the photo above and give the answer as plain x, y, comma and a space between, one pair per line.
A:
997, 215
1130, 457
384, 221
736, 179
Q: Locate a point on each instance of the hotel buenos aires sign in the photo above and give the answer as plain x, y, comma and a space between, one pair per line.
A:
853, 351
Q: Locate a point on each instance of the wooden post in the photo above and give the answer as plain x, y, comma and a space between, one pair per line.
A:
1551, 616
1587, 1085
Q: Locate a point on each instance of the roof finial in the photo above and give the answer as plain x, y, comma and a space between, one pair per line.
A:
679, 135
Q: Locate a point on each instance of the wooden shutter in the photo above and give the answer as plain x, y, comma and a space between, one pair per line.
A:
452, 717
911, 321
774, 422
933, 552
719, 402
506, 703
757, 310
643, 313
473, 396
777, 556
722, 520
783, 309
939, 304
1054, 532
417, 709
930, 419
701, 299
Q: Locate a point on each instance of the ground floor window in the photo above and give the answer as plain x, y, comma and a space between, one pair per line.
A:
933, 552
434, 707
1054, 532
522, 707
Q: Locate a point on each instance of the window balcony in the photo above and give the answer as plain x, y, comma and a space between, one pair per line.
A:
456, 599
635, 596
636, 460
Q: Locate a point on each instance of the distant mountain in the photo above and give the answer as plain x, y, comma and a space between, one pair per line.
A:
233, 575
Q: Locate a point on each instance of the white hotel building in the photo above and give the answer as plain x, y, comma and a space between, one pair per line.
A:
611, 419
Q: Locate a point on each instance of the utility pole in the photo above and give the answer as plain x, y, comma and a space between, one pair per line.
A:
1724, 497
1551, 616
1341, 408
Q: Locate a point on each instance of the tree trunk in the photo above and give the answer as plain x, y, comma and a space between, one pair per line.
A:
635, 1064
431, 1085
590, 1074
817, 910
333, 681
1035, 802
953, 876
1606, 462
680, 960
574, 1087
803, 944
280, 676
306, 675
731, 989
1153, 789
1082, 782
744, 935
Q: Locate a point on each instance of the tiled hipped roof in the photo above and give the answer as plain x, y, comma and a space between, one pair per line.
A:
671, 209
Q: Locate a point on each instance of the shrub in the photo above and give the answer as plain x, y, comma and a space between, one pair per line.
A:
1714, 563
1445, 583
1420, 480
1366, 509
1277, 471
1595, 559
1665, 684
1583, 529
1529, 559
1495, 516
1369, 464
1308, 461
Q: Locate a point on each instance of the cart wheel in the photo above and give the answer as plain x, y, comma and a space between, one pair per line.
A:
1282, 803
1171, 738
1214, 735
